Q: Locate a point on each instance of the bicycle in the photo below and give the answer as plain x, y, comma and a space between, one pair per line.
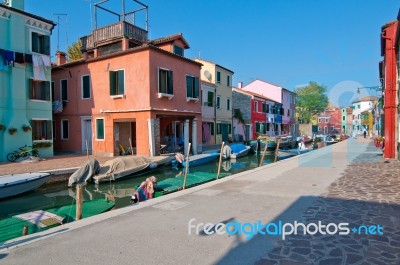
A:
22, 152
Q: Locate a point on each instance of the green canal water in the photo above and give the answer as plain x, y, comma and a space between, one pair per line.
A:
49, 196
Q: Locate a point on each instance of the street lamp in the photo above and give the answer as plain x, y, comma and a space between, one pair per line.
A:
377, 88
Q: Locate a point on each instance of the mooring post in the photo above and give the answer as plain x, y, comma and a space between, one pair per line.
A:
220, 159
79, 201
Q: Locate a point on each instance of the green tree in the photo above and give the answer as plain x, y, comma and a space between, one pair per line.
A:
311, 99
74, 51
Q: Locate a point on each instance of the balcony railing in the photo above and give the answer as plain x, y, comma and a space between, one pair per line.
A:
113, 31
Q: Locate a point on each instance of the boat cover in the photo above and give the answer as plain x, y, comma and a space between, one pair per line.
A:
84, 173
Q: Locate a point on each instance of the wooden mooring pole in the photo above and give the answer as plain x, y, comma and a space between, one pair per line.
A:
265, 150
220, 159
79, 201
187, 167
25, 230
277, 150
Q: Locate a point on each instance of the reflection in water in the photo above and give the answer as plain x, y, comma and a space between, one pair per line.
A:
59, 194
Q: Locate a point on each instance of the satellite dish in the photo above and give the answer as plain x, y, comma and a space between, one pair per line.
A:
207, 74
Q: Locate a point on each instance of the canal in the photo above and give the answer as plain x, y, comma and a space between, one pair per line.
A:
49, 196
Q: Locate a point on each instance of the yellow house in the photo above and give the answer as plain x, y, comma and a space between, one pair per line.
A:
222, 78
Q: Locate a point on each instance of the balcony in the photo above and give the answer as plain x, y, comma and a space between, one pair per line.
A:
113, 32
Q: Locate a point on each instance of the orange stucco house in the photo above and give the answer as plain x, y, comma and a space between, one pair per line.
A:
127, 91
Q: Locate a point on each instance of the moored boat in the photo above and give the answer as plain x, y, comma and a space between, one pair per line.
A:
41, 220
196, 160
11, 185
239, 150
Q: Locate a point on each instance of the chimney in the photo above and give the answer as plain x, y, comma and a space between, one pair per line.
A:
17, 4
61, 58
240, 84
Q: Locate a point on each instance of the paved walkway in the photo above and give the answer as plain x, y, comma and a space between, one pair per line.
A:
345, 182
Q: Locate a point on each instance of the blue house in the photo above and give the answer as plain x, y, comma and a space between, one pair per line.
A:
25, 80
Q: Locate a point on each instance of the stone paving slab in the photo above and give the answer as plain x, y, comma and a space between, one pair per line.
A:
368, 193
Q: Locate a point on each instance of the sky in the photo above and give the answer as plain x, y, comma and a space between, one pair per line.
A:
335, 43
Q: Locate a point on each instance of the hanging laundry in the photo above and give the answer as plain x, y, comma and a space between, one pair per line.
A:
19, 58
9, 57
46, 60
28, 58
38, 67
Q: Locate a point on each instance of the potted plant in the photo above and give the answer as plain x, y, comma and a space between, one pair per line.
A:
12, 130
2, 127
26, 128
42, 144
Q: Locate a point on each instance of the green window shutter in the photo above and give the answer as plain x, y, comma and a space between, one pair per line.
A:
30, 88
170, 88
46, 90
86, 86
112, 83
211, 127
121, 82
196, 87
210, 98
189, 87
263, 107
229, 128
267, 108
64, 90
35, 42
49, 127
46, 45
100, 128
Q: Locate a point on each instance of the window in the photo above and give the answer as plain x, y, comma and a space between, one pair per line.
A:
178, 50
192, 87
255, 106
319, 129
40, 43
228, 80
326, 120
218, 102
86, 86
39, 90
100, 129
211, 125
52, 90
165, 82
210, 99
344, 118
358, 106
353, 117
282, 111
332, 128
64, 129
358, 116
64, 89
228, 104
319, 120
288, 112
265, 108
218, 128
41, 130
218, 77
260, 127
117, 82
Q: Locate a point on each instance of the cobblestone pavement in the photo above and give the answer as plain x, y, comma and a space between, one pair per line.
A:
54, 163
367, 194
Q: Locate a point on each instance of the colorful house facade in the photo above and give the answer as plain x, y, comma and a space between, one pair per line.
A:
330, 121
389, 76
347, 120
221, 77
261, 110
362, 105
208, 112
25, 75
285, 121
128, 92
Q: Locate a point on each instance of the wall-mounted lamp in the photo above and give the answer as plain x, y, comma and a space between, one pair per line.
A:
377, 88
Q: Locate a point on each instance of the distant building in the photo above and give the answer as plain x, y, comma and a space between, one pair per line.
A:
347, 120
360, 106
285, 122
208, 112
221, 77
25, 75
257, 113
329, 121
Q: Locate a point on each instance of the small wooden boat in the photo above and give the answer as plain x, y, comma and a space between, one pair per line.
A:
195, 160
41, 220
118, 168
11, 185
239, 150
271, 145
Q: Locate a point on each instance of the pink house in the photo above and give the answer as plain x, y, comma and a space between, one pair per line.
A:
280, 95
127, 91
